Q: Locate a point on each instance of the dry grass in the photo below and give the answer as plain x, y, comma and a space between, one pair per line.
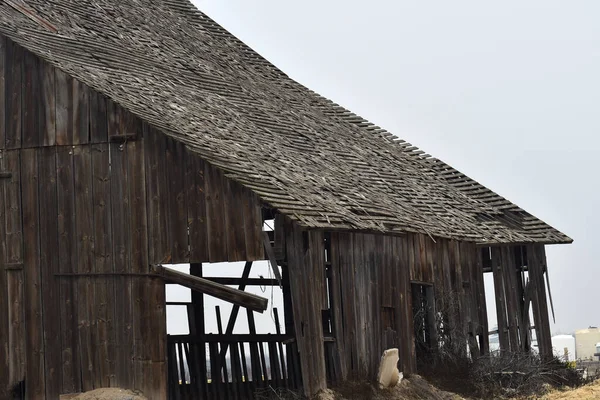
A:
586, 392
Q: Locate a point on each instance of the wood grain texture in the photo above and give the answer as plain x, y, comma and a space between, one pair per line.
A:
84, 227
64, 108
215, 214
13, 89
30, 101
3, 92
6, 361
177, 204
47, 108
103, 286
196, 210
67, 255
48, 230
33, 284
156, 182
305, 282
121, 258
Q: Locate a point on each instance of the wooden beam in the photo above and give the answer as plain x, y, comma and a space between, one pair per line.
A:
219, 291
271, 256
247, 282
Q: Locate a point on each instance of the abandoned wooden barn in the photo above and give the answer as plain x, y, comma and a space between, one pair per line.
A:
137, 134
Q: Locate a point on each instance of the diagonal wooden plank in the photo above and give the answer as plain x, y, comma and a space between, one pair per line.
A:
236, 308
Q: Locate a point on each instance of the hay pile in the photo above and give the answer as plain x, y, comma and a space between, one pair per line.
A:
105, 394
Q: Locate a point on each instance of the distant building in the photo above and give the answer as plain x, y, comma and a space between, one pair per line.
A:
563, 347
585, 340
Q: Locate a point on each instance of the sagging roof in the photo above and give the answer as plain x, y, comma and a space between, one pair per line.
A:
304, 155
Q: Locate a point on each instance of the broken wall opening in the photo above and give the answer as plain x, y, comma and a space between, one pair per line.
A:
217, 348
424, 319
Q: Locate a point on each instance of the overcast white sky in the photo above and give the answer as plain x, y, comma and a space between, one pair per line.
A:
507, 92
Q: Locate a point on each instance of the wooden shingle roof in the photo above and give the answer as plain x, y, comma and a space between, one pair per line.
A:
311, 159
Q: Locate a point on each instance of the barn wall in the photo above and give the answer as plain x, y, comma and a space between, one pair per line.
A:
351, 297
95, 196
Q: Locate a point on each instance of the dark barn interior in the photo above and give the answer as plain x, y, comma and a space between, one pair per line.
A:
135, 136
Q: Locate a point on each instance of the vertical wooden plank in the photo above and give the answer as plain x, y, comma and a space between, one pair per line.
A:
280, 347
512, 304
30, 91
422, 252
103, 286
459, 289
198, 329
253, 224
215, 371
149, 294
81, 109
156, 183
215, 214
348, 287
67, 256
64, 108
3, 91
8, 362
246, 383
536, 263
13, 82
84, 226
468, 300
340, 353
47, 134
121, 257
307, 310
98, 117
16, 326
35, 381
484, 338
12, 197
49, 266
407, 338
196, 206
235, 221
72, 105
500, 299
175, 164
254, 353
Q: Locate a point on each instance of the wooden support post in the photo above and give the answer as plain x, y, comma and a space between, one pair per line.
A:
536, 261
500, 299
222, 292
306, 274
197, 327
513, 309
484, 338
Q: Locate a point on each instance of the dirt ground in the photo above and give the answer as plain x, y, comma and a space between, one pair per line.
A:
411, 388
104, 394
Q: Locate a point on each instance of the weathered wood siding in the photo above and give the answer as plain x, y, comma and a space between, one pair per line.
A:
370, 301
95, 196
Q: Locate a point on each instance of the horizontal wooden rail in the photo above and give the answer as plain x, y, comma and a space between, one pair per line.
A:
233, 338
